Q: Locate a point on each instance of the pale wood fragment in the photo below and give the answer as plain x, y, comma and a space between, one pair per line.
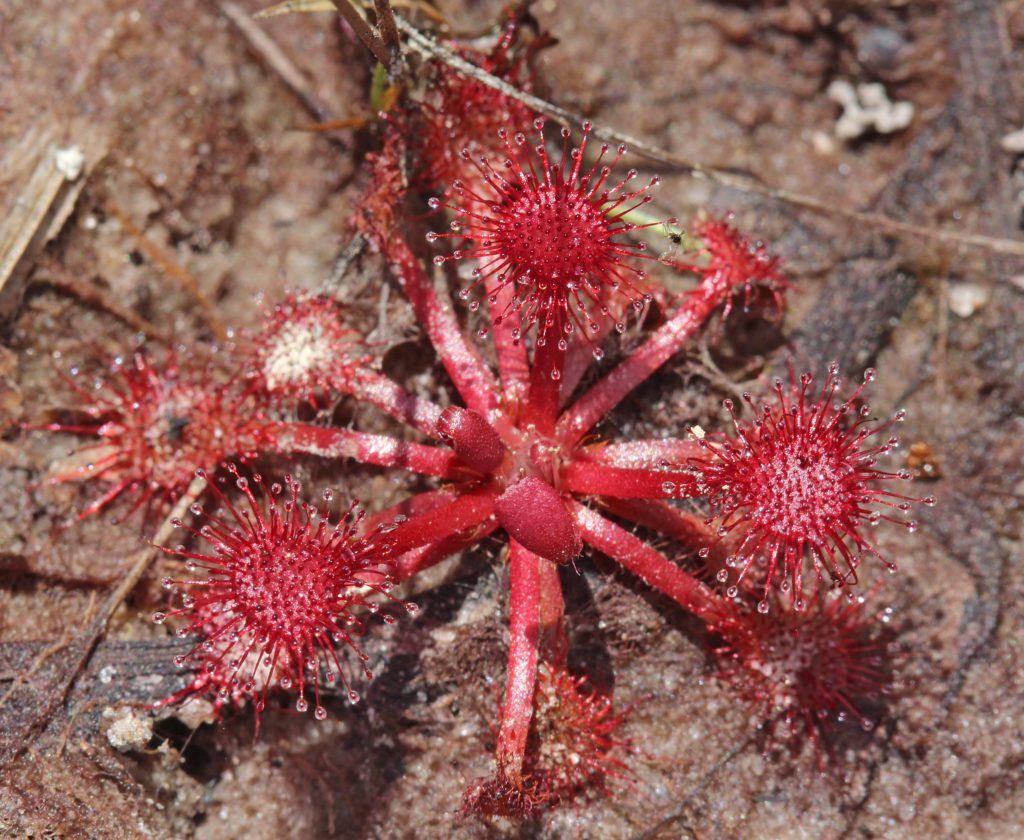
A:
42, 180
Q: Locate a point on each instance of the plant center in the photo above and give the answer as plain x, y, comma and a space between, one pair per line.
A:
552, 235
799, 490
285, 590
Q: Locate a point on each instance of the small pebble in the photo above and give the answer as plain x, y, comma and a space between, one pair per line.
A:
69, 162
879, 47
1013, 142
967, 298
867, 107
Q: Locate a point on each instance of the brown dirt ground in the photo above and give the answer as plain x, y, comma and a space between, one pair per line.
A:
191, 136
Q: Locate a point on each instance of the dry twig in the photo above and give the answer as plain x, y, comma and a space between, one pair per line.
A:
47, 187
386, 24
371, 40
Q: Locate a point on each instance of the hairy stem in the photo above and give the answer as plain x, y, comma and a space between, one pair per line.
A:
413, 562
685, 528
578, 359
380, 450
553, 643
408, 508
378, 390
624, 483
545, 384
435, 525
473, 379
524, 631
638, 454
513, 366
648, 564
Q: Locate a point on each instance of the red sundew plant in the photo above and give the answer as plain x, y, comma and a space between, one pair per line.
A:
459, 112
522, 456
551, 238
156, 426
738, 263
378, 210
799, 479
808, 671
281, 591
520, 452
303, 351
569, 752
